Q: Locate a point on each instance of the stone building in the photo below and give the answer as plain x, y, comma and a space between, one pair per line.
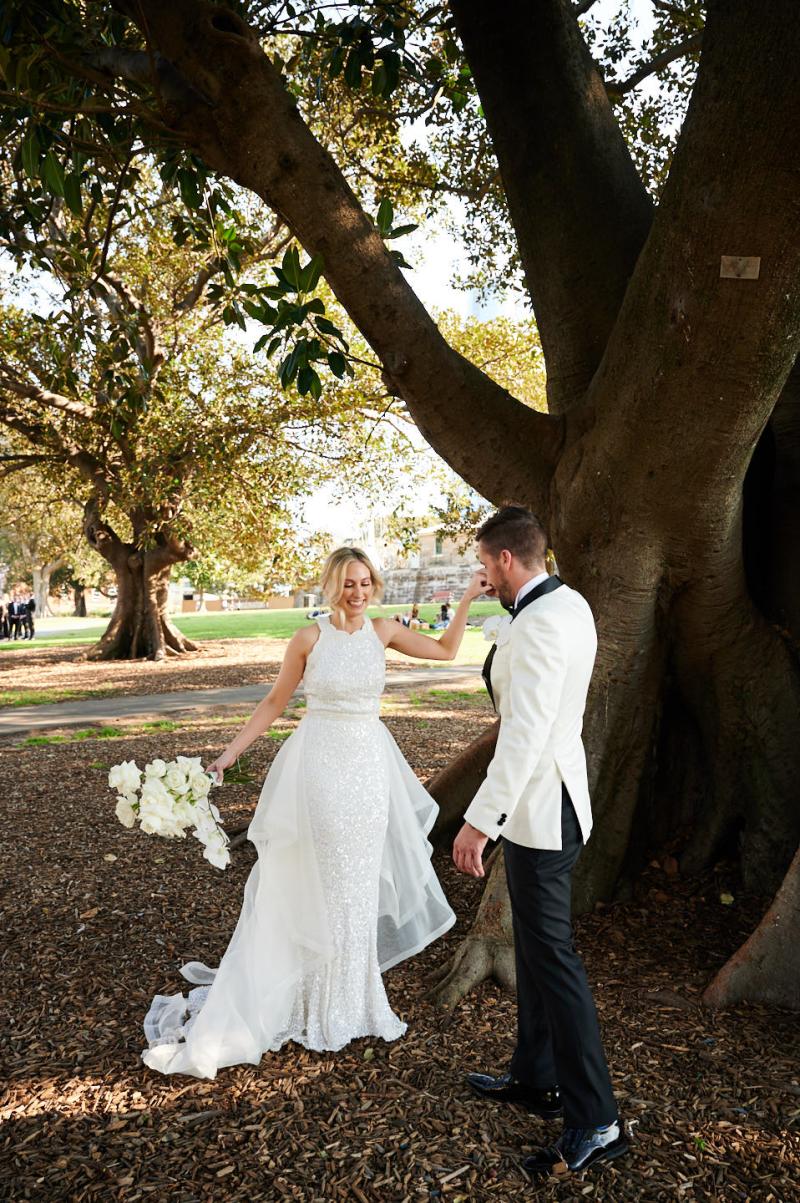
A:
440, 569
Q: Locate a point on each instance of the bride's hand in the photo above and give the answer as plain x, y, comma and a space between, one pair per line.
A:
219, 766
478, 584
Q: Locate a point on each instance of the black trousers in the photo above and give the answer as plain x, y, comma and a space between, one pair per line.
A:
558, 1035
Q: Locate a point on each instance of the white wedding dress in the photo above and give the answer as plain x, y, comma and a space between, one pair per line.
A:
343, 887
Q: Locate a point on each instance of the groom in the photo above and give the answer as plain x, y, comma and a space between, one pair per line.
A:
536, 796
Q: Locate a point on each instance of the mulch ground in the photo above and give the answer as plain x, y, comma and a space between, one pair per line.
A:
217, 664
713, 1100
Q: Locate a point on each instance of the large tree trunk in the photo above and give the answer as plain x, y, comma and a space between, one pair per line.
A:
139, 626
79, 596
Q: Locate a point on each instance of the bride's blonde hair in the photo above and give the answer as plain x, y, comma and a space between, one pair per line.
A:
334, 574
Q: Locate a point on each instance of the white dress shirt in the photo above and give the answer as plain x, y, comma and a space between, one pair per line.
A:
531, 584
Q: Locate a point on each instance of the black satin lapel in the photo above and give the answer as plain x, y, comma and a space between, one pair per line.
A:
552, 582
487, 672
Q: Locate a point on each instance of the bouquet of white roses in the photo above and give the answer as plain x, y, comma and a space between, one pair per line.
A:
168, 798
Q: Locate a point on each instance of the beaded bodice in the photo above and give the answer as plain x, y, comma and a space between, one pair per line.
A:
345, 674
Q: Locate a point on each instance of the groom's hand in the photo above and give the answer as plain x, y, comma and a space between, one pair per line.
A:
468, 850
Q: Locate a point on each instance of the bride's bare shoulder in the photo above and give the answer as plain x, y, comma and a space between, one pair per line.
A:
304, 638
383, 629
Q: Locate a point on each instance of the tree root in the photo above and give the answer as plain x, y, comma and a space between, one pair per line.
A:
767, 967
476, 959
488, 949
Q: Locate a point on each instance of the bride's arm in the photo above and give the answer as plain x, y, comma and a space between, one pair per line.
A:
423, 647
276, 701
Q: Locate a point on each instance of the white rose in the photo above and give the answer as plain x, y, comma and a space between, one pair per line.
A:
125, 812
200, 784
176, 780
156, 810
156, 768
125, 778
151, 824
184, 813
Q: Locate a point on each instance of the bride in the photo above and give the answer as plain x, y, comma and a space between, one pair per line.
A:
343, 887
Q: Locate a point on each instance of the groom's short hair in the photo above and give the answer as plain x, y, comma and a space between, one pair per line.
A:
515, 529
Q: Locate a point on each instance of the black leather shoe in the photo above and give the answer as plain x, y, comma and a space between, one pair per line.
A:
578, 1148
506, 1089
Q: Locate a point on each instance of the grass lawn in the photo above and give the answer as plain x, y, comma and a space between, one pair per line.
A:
238, 624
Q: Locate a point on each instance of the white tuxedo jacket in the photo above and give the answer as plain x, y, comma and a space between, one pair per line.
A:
540, 677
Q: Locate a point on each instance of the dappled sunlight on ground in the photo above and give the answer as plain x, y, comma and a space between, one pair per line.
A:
98, 918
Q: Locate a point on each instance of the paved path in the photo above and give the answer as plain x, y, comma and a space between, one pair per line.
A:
25, 720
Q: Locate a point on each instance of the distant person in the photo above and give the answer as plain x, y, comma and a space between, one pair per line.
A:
29, 608
16, 609
414, 619
4, 604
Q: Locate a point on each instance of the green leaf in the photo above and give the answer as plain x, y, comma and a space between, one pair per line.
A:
315, 387
385, 216
311, 273
304, 380
254, 310
337, 363
30, 155
288, 369
325, 326
53, 174
451, 51
261, 343
398, 258
352, 72
336, 61
72, 192
290, 267
399, 231
190, 193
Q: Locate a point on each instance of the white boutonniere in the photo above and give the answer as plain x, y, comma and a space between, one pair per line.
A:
494, 625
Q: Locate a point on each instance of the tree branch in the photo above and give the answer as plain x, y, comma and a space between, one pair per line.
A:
255, 134
578, 206
16, 463
617, 88
148, 349
42, 396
